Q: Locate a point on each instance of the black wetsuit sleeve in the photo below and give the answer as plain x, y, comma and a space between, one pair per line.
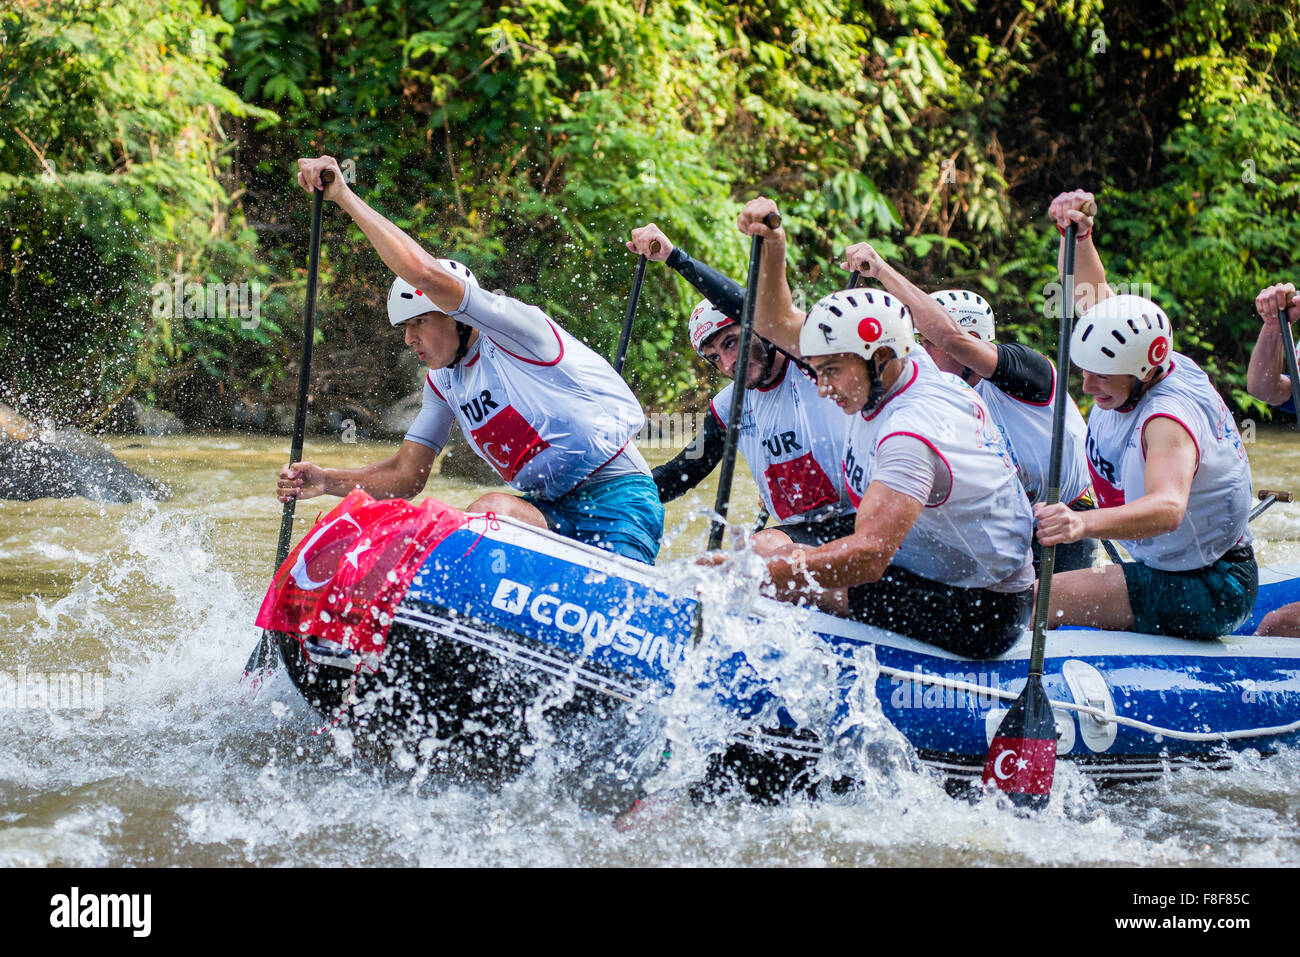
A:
723, 291
1023, 373
692, 464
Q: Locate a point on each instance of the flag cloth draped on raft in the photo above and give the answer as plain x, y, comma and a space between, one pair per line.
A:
343, 582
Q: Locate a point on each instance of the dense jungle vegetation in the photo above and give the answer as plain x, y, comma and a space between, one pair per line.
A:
144, 142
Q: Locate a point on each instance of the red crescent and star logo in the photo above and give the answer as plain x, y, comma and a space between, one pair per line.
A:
869, 329
1159, 351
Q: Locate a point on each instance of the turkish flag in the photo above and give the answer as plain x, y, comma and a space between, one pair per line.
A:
799, 486
344, 581
1022, 757
508, 442
298, 583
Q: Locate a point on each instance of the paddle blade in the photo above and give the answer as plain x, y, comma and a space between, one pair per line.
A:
1022, 758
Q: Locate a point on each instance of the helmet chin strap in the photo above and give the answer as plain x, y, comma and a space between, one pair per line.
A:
769, 360
877, 387
1138, 388
464, 330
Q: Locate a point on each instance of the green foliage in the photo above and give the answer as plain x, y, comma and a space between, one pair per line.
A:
110, 180
529, 137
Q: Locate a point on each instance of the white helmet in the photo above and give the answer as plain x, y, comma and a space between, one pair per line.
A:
1122, 335
407, 302
971, 310
859, 321
707, 319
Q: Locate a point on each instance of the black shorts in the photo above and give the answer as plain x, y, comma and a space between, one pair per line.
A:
973, 622
819, 533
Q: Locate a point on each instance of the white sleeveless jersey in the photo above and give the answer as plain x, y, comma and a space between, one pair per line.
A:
544, 427
1218, 506
977, 537
1027, 429
792, 439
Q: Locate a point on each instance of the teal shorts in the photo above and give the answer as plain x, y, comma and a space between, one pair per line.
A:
623, 515
1202, 603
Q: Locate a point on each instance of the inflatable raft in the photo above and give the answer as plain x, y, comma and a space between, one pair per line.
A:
466, 641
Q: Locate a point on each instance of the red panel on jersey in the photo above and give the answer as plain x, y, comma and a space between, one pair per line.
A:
509, 442
799, 486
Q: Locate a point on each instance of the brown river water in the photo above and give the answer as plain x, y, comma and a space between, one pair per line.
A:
163, 762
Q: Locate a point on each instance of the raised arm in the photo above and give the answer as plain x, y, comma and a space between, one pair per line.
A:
1090, 285
1266, 377
400, 253
720, 289
775, 317
932, 320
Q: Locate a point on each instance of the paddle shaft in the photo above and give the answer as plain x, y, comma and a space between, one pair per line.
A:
723, 500
304, 370
264, 657
1288, 360
1047, 556
626, 335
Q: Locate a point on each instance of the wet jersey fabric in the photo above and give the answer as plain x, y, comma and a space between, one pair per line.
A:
792, 439
546, 419
979, 535
1218, 505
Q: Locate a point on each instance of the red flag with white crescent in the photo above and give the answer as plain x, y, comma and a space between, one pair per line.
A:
344, 581
298, 583
508, 442
1022, 757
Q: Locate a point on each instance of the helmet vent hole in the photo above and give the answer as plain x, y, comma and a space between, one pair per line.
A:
836, 310
1118, 338
1107, 352
1133, 325
1086, 333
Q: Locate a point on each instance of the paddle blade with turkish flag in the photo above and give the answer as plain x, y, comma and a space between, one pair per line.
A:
1022, 758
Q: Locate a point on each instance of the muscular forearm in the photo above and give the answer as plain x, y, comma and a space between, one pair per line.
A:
775, 317
403, 255
1147, 517
386, 479
855, 560
935, 323
1090, 285
1264, 377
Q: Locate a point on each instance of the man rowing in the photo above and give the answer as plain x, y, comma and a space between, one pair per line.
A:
1017, 384
790, 435
1268, 381
548, 414
1169, 470
940, 550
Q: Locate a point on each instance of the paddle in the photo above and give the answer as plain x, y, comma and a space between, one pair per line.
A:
626, 334
723, 501
1027, 734
266, 656
1267, 498
1289, 361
